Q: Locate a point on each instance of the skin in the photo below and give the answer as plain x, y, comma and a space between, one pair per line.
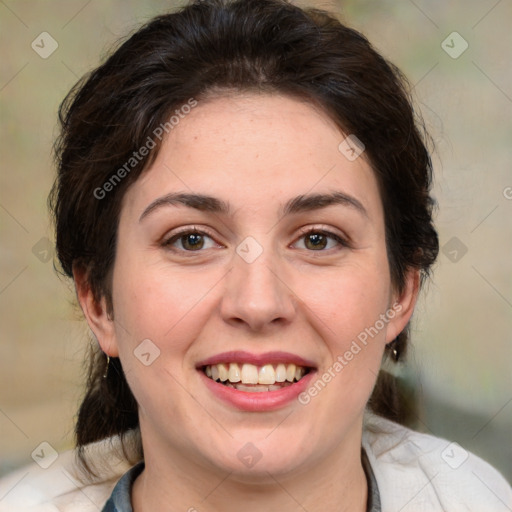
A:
255, 152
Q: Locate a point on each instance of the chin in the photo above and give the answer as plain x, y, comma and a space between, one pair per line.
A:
253, 457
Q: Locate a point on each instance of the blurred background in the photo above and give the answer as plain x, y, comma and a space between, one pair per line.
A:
458, 58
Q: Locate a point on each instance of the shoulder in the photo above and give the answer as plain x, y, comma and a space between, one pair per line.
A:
62, 485
419, 472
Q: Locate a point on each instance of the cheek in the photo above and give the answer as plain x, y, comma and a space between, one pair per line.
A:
346, 302
346, 311
167, 307
158, 318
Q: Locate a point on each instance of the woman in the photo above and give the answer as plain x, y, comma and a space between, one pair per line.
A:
243, 203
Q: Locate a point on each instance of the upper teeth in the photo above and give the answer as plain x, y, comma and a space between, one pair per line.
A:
251, 374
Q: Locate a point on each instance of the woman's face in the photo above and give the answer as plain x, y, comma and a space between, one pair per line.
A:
252, 244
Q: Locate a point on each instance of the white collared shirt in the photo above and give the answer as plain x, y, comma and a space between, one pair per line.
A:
415, 472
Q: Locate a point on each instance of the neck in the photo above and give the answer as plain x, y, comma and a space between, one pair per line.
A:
171, 483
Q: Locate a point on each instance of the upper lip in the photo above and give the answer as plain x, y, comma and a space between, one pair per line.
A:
240, 356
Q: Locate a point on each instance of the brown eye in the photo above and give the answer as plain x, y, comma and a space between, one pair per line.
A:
192, 241
189, 241
315, 241
319, 240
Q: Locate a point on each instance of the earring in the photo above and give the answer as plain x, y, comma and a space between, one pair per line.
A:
395, 354
106, 367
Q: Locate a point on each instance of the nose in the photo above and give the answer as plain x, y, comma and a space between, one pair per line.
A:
256, 294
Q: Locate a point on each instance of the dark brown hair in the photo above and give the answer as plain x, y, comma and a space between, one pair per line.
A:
209, 48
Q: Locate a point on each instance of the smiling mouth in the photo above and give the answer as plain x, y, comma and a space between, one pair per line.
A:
254, 379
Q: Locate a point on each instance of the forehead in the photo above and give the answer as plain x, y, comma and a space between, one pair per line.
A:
254, 150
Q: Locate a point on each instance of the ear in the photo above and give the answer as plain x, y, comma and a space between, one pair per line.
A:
403, 305
96, 313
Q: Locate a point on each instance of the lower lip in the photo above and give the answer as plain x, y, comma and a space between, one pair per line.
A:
259, 401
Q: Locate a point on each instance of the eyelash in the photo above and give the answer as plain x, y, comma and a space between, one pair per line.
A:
168, 242
343, 242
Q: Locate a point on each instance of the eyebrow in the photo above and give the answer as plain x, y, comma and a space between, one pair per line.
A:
310, 202
198, 201
302, 203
